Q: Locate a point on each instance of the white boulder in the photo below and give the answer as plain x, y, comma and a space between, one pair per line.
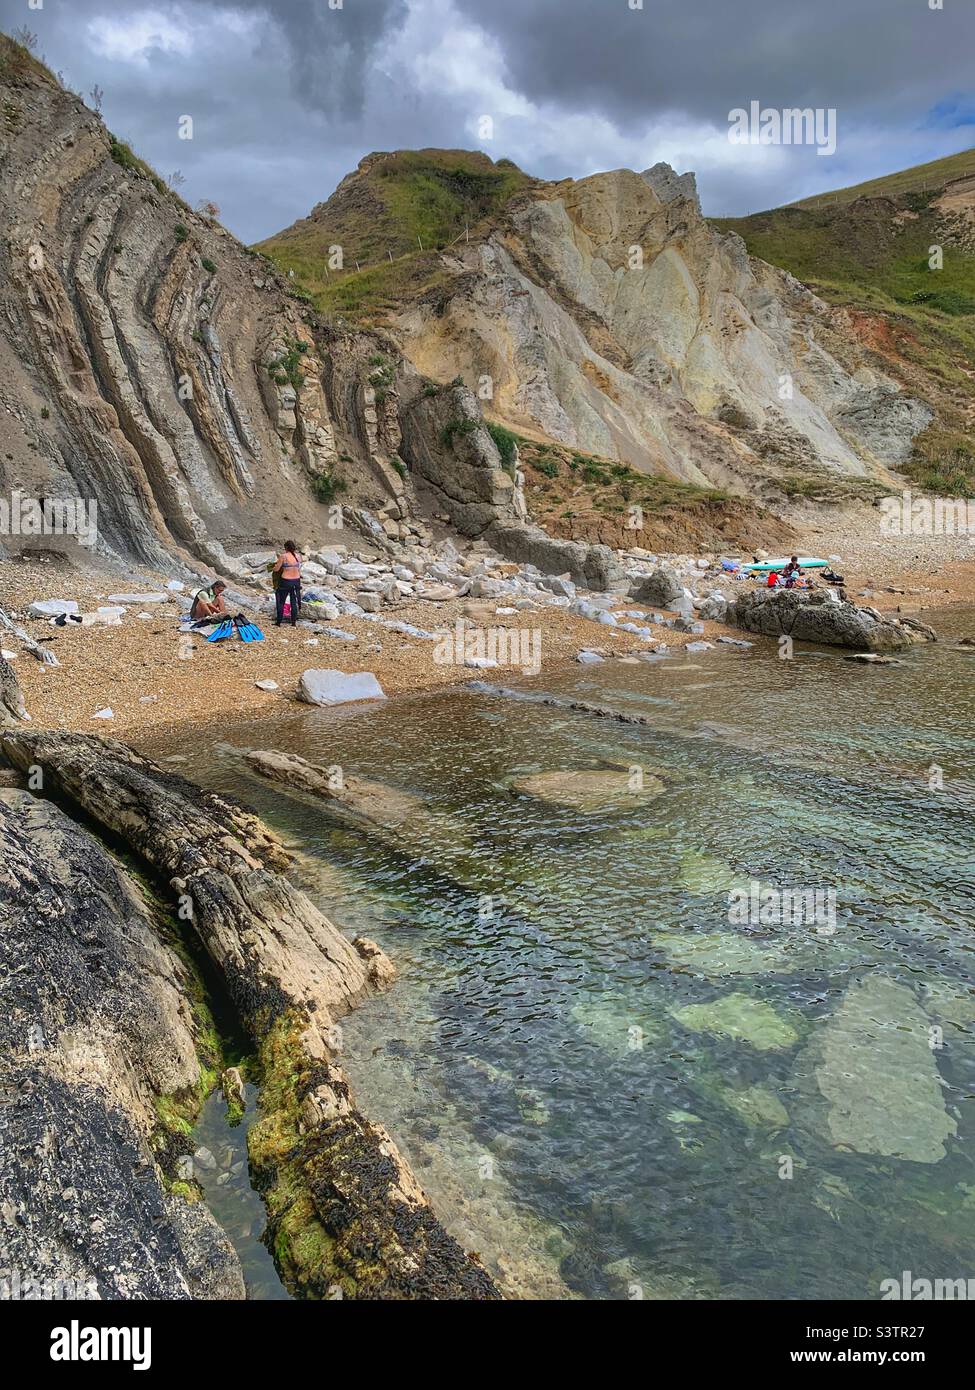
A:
52, 607
317, 687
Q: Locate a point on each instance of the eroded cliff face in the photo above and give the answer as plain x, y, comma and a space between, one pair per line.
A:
608, 315
154, 367
151, 364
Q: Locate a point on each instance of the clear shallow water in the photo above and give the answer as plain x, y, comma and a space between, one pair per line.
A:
601, 1081
229, 1195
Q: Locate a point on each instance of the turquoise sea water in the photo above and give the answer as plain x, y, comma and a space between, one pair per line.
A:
608, 1087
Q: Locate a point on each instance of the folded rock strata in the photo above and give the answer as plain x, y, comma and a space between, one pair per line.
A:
94, 1026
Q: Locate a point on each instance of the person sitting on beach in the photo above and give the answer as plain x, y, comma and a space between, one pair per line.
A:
208, 604
288, 588
792, 572
774, 579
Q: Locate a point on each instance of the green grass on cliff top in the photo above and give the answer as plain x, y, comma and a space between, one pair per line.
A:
919, 178
407, 206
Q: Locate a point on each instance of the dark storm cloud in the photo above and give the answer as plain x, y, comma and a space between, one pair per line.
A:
330, 47
287, 95
704, 57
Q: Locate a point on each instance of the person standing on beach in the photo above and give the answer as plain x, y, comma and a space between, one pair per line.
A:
287, 567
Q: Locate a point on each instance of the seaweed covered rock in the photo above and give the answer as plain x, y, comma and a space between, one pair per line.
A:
94, 1029
346, 1213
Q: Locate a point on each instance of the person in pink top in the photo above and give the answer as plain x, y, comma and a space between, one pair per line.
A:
287, 567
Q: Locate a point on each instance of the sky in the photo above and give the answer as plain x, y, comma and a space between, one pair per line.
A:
286, 96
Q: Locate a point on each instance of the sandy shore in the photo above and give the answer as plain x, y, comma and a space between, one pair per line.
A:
149, 680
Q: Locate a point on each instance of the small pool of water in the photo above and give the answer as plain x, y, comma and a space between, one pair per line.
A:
220, 1167
609, 1086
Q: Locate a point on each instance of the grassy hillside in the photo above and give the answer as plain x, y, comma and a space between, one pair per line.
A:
870, 253
392, 216
918, 179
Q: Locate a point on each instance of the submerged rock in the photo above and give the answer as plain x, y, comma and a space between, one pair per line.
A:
757, 1106
875, 1068
589, 790
740, 1017
722, 953
616, 1025
703, 874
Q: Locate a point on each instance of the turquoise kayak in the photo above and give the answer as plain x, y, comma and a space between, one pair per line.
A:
805, 562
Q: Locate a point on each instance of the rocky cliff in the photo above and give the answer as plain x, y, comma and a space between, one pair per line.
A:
895, 260
152, 365
608, 315
154, 368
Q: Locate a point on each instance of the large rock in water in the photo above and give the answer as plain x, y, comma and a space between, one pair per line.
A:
818, 616
94, 1026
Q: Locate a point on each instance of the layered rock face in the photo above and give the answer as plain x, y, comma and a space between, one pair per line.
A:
95, 1026
104, 1029
157, 371
610, 316
151, 365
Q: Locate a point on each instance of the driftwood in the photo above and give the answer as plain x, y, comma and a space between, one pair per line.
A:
93, 1027
346, 1213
